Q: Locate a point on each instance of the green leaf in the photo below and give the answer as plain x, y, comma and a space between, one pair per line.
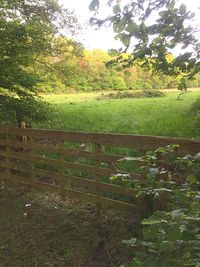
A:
118, 26
125, 39
166, 263
131, 27
131, 242
164, 246
150, 222
94, 5
116, 9
174, 233
148, 262
186, 235
150, 232
182, 9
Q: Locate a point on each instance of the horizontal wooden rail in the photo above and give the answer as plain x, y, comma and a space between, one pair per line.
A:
67, 151
118, 140
68, 165
74, 194
22, 161
75, 180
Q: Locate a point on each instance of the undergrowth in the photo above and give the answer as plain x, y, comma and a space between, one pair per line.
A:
40, 229
134, 94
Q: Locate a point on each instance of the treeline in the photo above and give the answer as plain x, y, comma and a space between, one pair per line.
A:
76, 69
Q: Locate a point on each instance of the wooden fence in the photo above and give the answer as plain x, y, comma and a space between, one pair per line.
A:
78, 164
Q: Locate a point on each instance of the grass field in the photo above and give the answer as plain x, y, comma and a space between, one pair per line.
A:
163, 116
40, 229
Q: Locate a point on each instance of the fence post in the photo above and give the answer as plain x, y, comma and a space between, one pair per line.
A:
31, 164
61, 170
7, 170
97, 176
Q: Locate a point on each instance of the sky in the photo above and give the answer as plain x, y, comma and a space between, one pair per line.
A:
104, 38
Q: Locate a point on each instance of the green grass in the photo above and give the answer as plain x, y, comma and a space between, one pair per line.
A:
163, 116
53, 232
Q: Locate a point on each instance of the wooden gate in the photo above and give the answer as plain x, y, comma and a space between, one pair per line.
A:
79, 164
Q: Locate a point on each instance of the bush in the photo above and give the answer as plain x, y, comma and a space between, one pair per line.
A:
140, 94
195, 108
118, 83
174, 230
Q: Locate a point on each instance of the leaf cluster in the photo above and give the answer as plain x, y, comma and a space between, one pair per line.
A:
150, 30
176, 229
27, 33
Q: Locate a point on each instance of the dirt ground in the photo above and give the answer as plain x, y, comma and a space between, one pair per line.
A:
40, 229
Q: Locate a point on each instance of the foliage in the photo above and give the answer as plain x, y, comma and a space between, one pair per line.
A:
151, 30
175, 229
121, 95
195, 111
27, 34
29, 107
76, 69
195, 108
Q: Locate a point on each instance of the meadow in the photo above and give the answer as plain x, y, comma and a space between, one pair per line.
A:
162, 116
42, 229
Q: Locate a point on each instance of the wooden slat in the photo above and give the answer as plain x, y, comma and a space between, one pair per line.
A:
66, 151
75, 194
119, 140
4, 130
116, 140
75, 180
69, 165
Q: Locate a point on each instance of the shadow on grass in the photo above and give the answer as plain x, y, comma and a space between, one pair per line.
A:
41, 229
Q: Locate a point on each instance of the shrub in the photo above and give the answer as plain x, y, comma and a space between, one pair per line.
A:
118, 83
195, 108
140, 94
174, 230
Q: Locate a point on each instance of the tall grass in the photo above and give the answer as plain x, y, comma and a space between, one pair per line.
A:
164, 116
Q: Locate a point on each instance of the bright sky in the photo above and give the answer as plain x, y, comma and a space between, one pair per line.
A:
104, 38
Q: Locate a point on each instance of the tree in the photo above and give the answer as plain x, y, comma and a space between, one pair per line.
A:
27, 32
150, 30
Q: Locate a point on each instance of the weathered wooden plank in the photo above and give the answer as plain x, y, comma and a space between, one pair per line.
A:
74, 194
67, 151
73, 179
68, 165
119, 140
4, 130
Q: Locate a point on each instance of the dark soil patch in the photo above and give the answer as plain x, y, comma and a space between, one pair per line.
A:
41, 229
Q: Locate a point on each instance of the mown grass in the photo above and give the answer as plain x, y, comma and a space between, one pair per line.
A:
162, 116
